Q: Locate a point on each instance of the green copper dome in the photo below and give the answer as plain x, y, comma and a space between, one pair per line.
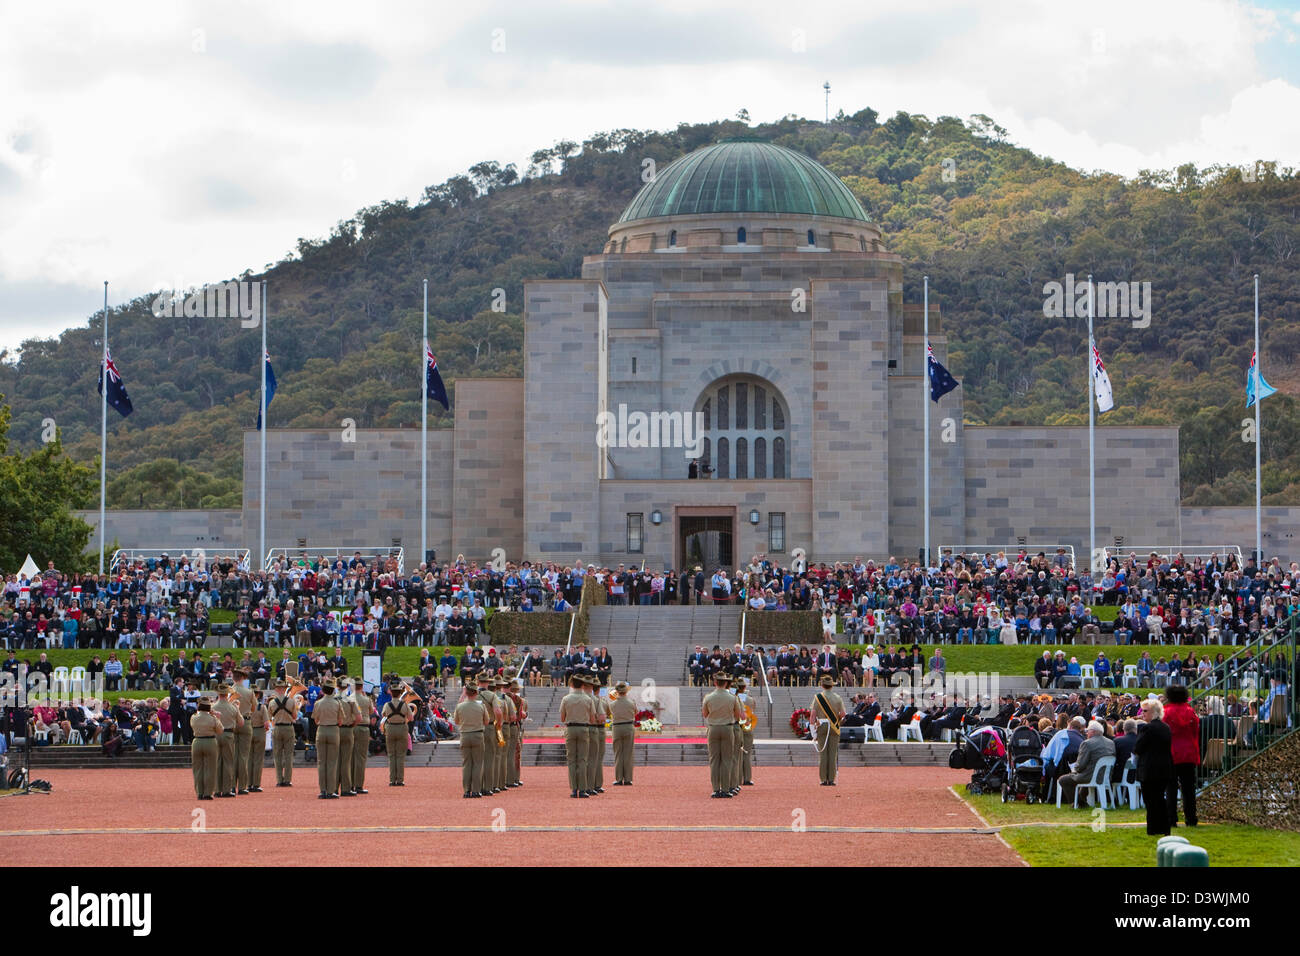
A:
745, 176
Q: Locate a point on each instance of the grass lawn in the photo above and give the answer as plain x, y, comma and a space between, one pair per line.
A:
1068, 838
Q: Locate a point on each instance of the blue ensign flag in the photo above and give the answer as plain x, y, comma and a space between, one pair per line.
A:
941, 382
1265, 389
433, 381
117, 396
270, 391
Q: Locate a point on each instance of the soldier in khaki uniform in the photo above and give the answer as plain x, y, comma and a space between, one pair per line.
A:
245, 700
257, 749
396, 718
203, 749
720, 711
623, 720
327, 714
347, 719
827, 709
596, 767
361, 736
471, 719
504, 754
746, 736
575, 714
515, 750
283, 710
737, 735
486, 783
231, 720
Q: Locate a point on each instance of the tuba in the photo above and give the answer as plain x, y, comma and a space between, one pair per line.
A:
749, 720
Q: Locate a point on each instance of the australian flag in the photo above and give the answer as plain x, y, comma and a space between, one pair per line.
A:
270, 390
941, 382
433, 381
117, 396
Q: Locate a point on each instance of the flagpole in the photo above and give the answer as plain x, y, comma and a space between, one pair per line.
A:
103, 431
424, 431
1259, 537
1092, 454
925, 410
262, 518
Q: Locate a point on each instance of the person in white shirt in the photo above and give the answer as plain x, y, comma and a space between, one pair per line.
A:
870, 666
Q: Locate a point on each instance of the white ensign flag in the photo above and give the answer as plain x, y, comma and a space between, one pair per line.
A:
1101, 382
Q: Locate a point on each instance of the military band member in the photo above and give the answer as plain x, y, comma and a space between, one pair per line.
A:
471, 719
747, 735
203, 749
326, 714
257, 749
827, 710
486, 782
245, 700
736, 738
521, 716
623, 721
231, 721
575, 714
347, 718
598, 735
396, 718
284, 715
361, 736
720, 711
508, 714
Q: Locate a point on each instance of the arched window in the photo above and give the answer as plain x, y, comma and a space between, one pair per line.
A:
744, 420
862, 240
623, 246
672, 238
812, 238
708, 453
740, 236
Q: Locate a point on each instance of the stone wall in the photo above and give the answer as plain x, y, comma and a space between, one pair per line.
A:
488, 468
334, 493
1215, 527
1032, 482
179, 530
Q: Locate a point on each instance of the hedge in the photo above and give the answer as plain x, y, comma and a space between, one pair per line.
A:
530, 628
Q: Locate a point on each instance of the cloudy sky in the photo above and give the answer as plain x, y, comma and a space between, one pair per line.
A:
174, 143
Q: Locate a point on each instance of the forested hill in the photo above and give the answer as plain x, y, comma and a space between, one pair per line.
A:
990, 223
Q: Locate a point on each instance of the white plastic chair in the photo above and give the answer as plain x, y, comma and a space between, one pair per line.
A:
874, 732
1130, 674
78, 678
1099, 784
911, 730
74, 737
1128, 784
946, 735
1087, 673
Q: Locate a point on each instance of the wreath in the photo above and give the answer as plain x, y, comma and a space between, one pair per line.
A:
644, 715
801, 723
651, 725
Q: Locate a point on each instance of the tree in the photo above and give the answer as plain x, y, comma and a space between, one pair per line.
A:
40, 492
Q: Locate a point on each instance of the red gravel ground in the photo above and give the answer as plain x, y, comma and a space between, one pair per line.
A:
876, 816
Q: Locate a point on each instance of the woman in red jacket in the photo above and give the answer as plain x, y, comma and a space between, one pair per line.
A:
1185, 730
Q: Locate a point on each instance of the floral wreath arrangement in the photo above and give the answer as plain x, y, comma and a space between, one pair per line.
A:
646, 720
801, 723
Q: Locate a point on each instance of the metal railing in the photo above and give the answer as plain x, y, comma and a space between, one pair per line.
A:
1012, 551
1140, 554
1266, 715
127, 557
369, 553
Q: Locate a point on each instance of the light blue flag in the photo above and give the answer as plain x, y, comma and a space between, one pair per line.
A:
1265, 389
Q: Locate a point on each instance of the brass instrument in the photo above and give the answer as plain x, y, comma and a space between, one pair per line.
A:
749, 721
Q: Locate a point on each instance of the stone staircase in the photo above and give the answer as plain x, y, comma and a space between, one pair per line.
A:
654, 641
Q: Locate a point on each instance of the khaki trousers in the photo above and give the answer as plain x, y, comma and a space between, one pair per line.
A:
471, 759
623, 753
395, 743
327, 758
203, 760
360, 751
719, 756
243, 735
829, 763
226, 762
282, 738
575, 752
256, 756
345, 759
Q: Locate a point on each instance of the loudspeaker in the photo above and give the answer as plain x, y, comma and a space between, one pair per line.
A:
853, 735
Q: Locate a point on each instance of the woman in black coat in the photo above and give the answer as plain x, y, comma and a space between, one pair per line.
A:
1155, 766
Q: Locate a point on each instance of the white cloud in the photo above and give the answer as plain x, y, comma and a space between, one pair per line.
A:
188, 141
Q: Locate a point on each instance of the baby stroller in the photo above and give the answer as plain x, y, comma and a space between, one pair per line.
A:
984, 752
1024, 765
